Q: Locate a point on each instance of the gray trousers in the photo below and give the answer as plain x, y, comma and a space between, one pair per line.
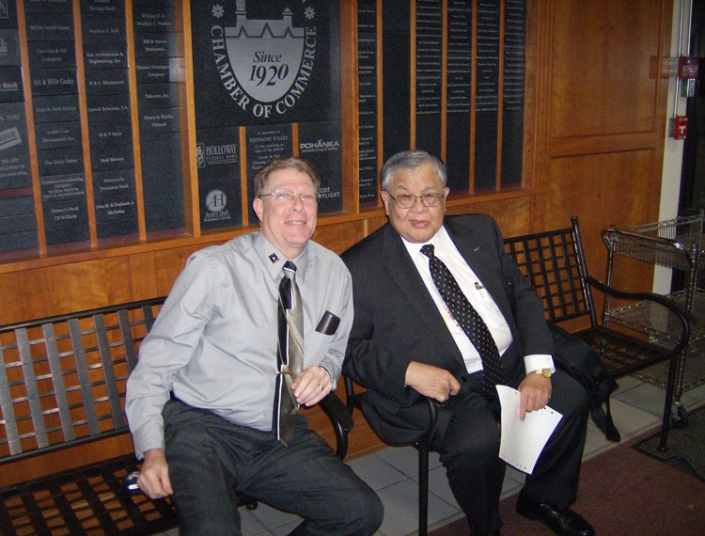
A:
209, 457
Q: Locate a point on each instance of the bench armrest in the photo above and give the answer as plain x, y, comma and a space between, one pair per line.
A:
341, 420
684, 317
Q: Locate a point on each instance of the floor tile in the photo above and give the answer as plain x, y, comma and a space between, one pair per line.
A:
405, 459
376, 472
401, 508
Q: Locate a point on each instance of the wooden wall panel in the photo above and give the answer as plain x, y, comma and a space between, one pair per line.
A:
601, 190
600, 69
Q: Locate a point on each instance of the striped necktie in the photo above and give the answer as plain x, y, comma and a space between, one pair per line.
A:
290, 353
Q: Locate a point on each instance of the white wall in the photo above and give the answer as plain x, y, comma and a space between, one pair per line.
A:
673, 149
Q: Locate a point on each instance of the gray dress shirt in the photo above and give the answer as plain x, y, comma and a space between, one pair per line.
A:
214, 343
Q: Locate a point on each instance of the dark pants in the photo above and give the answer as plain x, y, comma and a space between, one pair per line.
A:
468, 439
209, 457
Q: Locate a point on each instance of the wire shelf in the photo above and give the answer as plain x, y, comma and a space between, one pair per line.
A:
656, 321
671, 243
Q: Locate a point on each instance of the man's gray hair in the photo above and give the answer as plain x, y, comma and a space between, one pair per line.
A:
411, 160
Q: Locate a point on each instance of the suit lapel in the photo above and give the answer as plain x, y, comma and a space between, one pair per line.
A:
482, 261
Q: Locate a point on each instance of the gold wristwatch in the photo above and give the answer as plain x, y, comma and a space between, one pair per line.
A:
545, 372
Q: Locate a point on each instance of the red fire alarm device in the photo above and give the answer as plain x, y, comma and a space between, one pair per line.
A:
688, 67
680, 127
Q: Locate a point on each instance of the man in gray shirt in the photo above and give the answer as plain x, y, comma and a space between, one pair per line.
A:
200, 403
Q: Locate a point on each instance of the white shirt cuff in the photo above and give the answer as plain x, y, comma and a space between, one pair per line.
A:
538, 361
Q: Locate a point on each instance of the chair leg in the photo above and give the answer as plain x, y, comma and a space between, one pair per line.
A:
423, 488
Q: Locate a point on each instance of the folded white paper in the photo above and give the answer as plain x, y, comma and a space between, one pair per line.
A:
522, 441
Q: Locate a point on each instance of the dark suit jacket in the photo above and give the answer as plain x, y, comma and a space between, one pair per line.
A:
396, 320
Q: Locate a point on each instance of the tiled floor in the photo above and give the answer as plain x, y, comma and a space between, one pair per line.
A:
392, 472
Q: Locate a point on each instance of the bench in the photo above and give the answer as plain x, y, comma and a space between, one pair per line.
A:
554, 263
62, 390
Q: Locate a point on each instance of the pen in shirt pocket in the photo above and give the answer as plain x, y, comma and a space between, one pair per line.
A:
481, 288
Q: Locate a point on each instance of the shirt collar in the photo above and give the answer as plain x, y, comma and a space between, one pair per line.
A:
273, 259
415, 248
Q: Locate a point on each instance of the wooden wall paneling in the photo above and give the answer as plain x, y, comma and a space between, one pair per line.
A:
142, 276
600, 68
605, 117
533, 175
339, 237
169, 264
601, 190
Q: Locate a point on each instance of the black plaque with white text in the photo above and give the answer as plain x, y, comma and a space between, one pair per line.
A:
18, 223
513, 96
160, 131
109, 118
459, 91
268, 62
58, 135
8, 14
429, 74
487, 94
11, 84
55, 109
396, 76
9, 46
218, 160
367, 98
115, 202
14, 150
65, 209
320, 143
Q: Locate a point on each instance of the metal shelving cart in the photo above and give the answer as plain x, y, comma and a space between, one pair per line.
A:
675, 244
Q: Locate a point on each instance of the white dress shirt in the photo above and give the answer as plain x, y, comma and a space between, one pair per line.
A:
479, 298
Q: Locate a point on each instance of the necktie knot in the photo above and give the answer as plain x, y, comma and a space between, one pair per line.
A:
428, 250
289, 270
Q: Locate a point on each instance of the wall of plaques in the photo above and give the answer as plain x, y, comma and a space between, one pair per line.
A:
114, 113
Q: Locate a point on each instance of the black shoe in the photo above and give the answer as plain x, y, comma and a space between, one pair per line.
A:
559, 519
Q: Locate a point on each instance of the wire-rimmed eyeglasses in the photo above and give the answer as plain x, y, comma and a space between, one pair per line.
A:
287, 197
429, 200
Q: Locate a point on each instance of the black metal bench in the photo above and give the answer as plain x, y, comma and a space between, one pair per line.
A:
554, 263
62, 385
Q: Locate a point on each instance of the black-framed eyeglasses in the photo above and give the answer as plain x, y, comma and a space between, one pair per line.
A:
429, 200
287, 197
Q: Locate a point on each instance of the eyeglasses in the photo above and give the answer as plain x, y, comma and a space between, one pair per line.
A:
429, 200
287, 197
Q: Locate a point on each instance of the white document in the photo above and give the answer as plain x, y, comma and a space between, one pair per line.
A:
522, 441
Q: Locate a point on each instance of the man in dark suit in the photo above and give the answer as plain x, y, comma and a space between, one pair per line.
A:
406, 346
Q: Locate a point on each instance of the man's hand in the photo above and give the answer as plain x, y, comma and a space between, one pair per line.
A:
430, 381
311, 386
154, 475
535, 392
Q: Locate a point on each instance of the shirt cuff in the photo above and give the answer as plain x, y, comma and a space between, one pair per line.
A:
330, 377
538, 361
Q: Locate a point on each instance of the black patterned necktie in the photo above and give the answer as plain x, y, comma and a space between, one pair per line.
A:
468, 319
290, 353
